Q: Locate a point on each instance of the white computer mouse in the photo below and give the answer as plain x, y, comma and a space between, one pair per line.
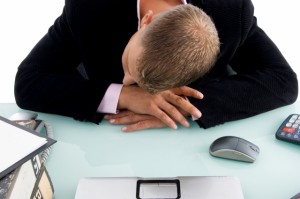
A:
235, 148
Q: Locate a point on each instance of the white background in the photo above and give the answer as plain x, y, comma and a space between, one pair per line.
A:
24, 22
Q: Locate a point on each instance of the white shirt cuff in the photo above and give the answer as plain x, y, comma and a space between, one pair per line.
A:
110, 100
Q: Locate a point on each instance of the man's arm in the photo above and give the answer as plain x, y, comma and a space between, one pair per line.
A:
264, 81
48, 79
167, 107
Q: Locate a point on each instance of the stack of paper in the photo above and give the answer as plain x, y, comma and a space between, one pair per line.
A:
18, 144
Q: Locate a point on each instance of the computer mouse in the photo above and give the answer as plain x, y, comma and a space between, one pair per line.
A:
23, 116
235, 148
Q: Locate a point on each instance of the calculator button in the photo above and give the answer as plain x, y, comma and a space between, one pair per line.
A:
294, 116
297, 121
288, 124
289, 130
292, 120
296, 136
295, 126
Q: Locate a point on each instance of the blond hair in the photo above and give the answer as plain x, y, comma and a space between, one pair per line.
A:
180, 46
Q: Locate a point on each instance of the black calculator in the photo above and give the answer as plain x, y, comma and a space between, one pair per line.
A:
289, 130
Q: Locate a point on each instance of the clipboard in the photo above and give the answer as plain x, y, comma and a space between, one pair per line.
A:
17, 129
184, 187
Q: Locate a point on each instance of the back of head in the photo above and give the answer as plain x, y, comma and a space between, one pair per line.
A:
180, 46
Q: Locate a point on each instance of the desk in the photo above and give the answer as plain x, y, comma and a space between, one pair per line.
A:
86, 149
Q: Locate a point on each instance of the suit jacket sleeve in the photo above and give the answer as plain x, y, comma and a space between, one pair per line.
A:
263, 79
48, 79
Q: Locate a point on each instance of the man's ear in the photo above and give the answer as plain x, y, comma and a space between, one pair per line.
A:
147, 18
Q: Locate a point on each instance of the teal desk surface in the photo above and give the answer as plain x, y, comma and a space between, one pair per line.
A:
88, 150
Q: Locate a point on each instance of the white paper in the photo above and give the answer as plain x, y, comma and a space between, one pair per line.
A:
16, 143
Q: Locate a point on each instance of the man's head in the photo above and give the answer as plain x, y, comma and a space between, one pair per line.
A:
172, 49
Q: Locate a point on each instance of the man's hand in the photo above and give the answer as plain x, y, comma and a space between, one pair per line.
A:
134, 121
167, 106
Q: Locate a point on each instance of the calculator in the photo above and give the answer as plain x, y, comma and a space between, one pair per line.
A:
289, 130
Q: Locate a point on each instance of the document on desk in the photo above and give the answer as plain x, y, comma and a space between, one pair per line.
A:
189, 187
18, 144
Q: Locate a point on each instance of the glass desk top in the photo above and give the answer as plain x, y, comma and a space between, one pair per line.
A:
85, 149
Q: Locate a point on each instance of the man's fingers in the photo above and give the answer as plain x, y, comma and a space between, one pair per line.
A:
118, 115
145, 124
187, 91
160, 114
175, 114
129, 119
184, 104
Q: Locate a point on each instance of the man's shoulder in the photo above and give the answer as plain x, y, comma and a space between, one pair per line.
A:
233, 18
96, 4
232, 12
221, 5
229, 3
89, 9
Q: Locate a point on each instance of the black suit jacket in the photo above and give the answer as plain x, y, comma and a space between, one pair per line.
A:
93, 34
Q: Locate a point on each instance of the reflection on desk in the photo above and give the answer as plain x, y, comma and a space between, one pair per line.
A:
88, 150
